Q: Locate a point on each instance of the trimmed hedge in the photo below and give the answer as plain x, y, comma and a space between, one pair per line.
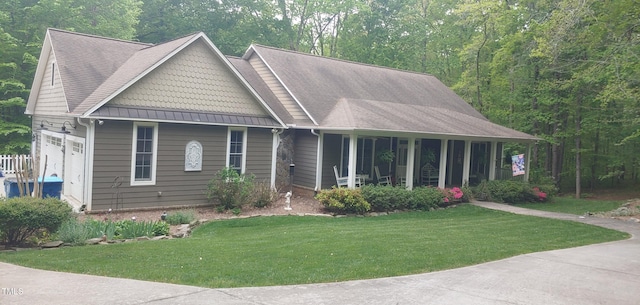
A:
22, 217
343, 200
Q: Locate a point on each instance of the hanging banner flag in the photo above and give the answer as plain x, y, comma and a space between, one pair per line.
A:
517, 165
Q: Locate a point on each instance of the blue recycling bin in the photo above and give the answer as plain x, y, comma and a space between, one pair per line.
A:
52, 187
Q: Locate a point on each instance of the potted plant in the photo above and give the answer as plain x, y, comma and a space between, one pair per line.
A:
385, 156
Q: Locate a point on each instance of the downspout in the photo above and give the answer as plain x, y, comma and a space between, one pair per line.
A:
319, 157
274, 154
88, 163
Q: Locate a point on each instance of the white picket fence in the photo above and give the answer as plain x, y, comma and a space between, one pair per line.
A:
8, 166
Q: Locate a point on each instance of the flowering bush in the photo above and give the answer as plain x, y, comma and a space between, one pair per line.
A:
542, 196
452, 194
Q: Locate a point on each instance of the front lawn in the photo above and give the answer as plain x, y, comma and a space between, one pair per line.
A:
573, 206
282, 250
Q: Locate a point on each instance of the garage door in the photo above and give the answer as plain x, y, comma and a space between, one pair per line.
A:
74, 167
51, 147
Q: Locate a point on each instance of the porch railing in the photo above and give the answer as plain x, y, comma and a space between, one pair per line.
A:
8, 166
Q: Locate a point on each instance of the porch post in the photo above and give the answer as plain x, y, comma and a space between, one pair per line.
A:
353, 149
528, 166
492, 161
451, 157
467, 162
275, 142
320, 156
442, 171
411, 155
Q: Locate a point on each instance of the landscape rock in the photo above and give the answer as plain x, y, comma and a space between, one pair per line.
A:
141, 238
183, 231
160, 237
53, 244
93, 241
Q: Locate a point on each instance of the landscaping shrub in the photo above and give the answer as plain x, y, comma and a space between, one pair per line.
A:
181, 217
263, 195
72, 232
231, 189
160, 228
343, 200
426, 198
21, 217
386, 198
511, 191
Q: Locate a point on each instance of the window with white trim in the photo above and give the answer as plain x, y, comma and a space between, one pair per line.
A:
236, 147
144, 153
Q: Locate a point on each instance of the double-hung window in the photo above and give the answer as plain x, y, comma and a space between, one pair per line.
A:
144, 153
236, 147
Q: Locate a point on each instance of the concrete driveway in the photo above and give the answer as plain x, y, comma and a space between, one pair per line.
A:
607, 273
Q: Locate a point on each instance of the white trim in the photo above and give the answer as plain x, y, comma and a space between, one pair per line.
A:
319, 156
442, 175
353, 155
244, 147
87, 187
275, 142
154, 157
492, 160
466, 163
411, 155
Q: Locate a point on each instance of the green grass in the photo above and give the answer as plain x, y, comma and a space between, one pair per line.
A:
573, 206
282, 250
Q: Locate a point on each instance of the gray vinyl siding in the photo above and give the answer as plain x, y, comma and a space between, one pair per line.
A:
305, 152
259, 153
331, 156
113, 158
51, 98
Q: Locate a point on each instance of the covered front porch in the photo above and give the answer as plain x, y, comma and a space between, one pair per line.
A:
410, 160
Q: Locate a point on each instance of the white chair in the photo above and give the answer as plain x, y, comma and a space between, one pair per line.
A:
430, 175
344, 181
384, 180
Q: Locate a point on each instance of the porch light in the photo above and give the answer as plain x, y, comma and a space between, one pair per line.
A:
64, 128
42, 125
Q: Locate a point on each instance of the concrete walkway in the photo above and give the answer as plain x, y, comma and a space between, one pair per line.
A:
607, 273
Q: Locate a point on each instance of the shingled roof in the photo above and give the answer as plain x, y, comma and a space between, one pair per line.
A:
347, 95
96, 69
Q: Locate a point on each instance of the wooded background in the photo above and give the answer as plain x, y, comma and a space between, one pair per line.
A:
567, 71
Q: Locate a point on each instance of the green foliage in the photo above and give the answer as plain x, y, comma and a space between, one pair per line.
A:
343, 200
230, 189
160, 228
181, 217
426, 198
72, 232
386, 198
77, 232
128, 229
512, 191
22, 217
263, 194
324, 249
